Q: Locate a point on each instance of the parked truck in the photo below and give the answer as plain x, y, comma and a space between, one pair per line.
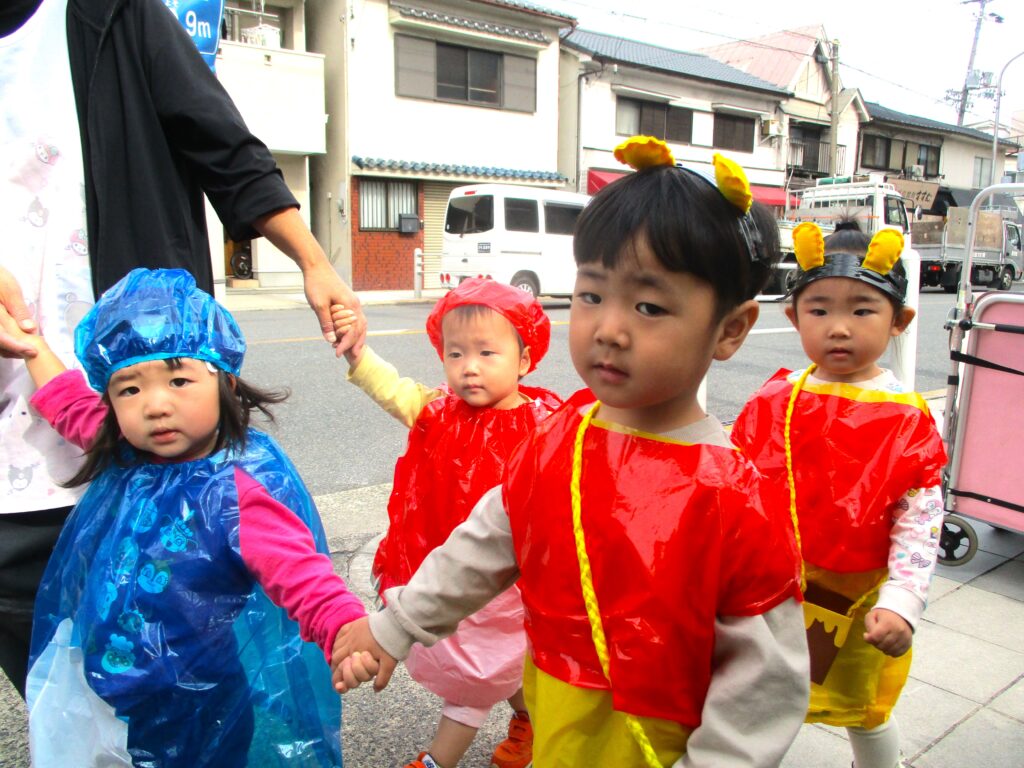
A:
873, 203
997, 259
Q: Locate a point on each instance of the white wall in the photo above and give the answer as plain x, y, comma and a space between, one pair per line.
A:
763, 165
957, 160
382, 125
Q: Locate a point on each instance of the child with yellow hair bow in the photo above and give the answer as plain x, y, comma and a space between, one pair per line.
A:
857, 461
661, 594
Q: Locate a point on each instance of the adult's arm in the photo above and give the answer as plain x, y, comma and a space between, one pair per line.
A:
235, 169
322, 285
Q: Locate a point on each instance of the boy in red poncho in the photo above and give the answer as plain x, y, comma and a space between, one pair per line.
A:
661, 595
461, 435
862, 480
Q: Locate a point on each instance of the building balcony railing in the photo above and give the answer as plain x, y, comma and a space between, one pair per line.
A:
812, 156
279, 92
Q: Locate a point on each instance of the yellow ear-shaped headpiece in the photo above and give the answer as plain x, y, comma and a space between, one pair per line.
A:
639, 152
732, 183
883, 252
808, 245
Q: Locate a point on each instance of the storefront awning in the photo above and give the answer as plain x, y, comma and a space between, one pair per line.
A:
772, 196
597, 179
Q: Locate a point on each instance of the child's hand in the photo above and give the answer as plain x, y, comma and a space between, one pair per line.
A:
348, 668
888, 632
344, 320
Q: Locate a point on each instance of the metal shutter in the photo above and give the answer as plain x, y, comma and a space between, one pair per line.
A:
435, 203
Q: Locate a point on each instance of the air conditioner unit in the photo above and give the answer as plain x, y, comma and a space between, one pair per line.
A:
914, 171
771, 127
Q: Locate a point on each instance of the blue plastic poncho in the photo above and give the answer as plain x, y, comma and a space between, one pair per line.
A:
152, 643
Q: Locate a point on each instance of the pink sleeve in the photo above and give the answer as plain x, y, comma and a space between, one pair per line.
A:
72, 407
278, 549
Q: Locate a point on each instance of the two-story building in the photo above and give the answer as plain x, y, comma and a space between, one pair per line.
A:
612, 88
937, 164
799, 61
424, 96
278, 87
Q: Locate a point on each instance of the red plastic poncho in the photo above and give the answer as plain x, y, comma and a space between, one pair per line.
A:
855, 453
677, 536
455, 454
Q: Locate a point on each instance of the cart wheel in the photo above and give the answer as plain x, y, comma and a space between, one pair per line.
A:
958, 541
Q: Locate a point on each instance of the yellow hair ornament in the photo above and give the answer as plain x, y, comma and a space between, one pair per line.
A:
732, 183
639, 152
808, 245
883, 252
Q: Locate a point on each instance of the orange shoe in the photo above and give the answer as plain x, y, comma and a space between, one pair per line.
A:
517, 750
424, 760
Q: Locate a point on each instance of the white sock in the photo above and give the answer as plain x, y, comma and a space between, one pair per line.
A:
876, 747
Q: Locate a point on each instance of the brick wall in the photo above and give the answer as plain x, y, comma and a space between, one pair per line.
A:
382, 261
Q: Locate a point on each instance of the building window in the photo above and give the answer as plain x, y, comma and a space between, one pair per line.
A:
634, 117
381, 201
733, 132
884, 154
982, 172
426, 69
928, 158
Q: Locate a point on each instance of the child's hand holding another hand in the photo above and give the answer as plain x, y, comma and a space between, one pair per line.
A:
888, 632
357, 657
344, 319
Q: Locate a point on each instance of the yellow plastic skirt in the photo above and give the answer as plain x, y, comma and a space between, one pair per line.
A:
862, 684
577, 726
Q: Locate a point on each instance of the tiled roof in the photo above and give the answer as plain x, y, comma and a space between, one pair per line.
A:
697, 65
479, 25
884, 114
776, 58
532, 7
451, 169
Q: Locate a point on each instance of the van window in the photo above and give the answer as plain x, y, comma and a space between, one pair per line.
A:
521, 215
560, 219
469, 215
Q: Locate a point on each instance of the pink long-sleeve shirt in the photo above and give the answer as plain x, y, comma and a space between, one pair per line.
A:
276, 546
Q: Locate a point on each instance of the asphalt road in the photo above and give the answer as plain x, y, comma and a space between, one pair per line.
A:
345, 448
340, 440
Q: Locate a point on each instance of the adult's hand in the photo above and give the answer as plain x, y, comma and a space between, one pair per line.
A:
321, 284
13, 301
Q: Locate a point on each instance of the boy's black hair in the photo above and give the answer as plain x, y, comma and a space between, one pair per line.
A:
688, 225
848, 238
238, 399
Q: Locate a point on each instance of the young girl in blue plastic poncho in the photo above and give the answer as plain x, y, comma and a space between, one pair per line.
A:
162, 634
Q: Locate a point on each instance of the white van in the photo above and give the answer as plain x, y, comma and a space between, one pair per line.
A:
520, 236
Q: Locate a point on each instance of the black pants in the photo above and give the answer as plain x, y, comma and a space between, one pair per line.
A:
26, 542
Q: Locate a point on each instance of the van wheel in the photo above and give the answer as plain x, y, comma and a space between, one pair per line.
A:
526, 281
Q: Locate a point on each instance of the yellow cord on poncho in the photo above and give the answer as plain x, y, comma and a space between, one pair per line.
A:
589, 594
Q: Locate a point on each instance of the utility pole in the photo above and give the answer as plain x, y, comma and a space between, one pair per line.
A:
962, 107
833, 144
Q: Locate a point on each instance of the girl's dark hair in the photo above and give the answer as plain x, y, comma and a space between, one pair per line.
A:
238, 399
688, 225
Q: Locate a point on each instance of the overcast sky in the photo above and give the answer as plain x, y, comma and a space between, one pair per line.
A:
903, 54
